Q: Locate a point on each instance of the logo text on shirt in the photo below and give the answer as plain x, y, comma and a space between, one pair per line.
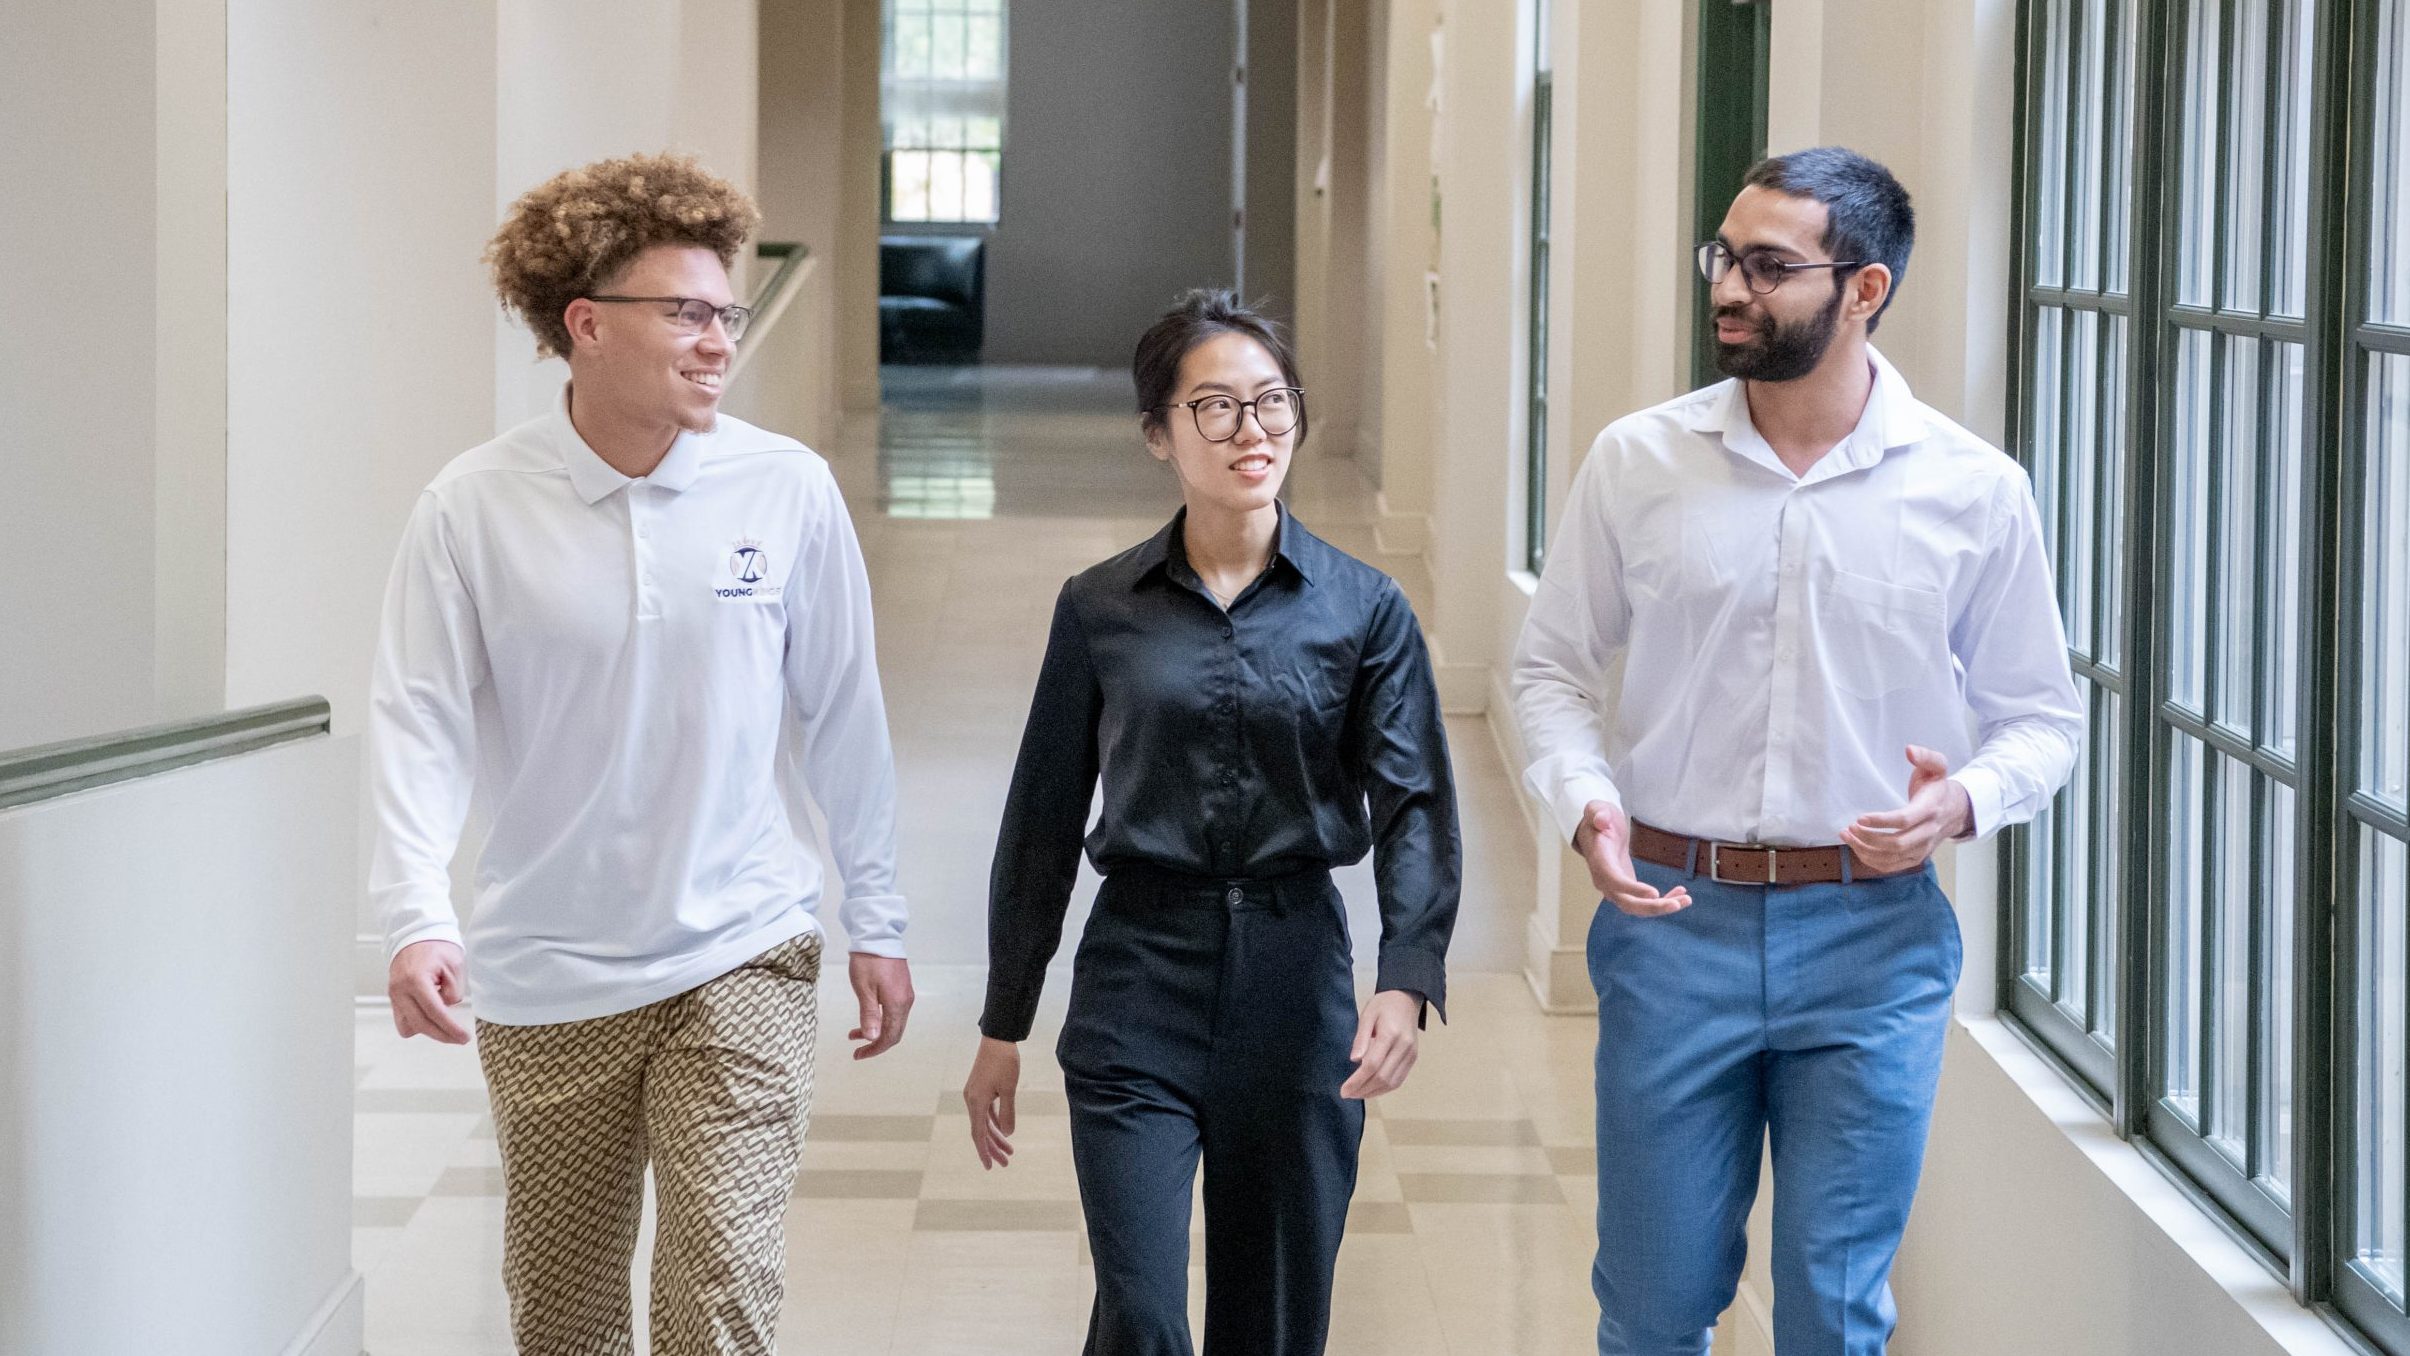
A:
748, 566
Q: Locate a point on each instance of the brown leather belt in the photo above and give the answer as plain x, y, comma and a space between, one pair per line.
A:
1751, 863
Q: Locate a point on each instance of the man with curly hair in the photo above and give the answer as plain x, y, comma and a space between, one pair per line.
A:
599, 623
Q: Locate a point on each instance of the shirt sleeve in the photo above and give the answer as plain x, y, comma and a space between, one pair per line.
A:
1579, 622
1045, 815
422, 734
832, 680
1400, 745
2013, 647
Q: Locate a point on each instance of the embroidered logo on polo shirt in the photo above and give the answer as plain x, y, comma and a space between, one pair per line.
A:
748, 566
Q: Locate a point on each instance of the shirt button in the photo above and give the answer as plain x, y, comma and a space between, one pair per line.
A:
1236, 895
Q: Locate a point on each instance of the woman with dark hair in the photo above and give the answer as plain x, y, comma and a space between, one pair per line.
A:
1259, 707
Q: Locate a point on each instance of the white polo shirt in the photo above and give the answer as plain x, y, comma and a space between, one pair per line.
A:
609, 661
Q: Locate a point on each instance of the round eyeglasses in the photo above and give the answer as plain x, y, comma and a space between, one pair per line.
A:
1276, 412
1763, 270
694, 316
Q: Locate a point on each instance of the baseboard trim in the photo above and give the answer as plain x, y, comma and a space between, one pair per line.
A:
340, 1326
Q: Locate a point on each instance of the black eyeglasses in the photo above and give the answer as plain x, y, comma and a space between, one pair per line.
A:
1762, 269
694, 316
1218, 416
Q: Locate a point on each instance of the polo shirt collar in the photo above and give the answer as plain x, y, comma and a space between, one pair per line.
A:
596, 480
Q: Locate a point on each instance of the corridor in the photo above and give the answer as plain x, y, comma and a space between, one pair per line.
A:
976, 493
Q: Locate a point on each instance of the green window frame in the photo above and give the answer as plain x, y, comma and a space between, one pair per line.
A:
1736, 37
2212, 394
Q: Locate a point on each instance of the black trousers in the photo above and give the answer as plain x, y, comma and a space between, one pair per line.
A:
1212, 1018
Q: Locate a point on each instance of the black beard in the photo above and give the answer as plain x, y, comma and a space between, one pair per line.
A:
1787, 352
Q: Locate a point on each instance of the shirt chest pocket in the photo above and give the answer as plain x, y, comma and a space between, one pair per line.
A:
1879, 637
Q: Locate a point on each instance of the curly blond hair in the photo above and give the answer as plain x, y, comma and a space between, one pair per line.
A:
575, 231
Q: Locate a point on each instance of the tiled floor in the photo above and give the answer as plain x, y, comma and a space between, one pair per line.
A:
1470, 1233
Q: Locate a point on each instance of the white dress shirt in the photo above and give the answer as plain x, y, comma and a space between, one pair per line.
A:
609, 662
1727, 650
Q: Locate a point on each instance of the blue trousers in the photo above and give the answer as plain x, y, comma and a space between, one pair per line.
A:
1811, 1013
1210, 1020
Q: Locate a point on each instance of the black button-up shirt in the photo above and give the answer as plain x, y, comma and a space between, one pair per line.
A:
1295, 732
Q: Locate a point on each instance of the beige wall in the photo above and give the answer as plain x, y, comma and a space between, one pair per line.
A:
78, 393
356, 317
802, 127
581, 80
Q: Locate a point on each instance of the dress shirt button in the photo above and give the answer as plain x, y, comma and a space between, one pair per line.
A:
1236, 896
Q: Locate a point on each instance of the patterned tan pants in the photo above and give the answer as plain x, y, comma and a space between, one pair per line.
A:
714, 1087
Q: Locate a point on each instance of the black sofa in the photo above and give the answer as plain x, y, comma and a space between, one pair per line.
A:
932, 298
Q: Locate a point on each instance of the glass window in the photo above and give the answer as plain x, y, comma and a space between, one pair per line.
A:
1535, 454
2254, 777
942, 83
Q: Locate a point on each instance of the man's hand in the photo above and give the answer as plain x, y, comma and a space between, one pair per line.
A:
423, 983
1903, 839
1384, 1051
884, 986
1605, 841
995, 1076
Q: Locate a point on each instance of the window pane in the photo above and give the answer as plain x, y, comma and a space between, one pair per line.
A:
2238, 576
979, 186
2091, 75
2385, 602
2290, 216
984, 54
2121, 148
2185, 930
2245, 206
913, 43
2075, 826
2110, 641
909, 171
2188, 465
948, 46
2389, 253
2379, 1146
2082, 476
2050, 234
2197, 228
2045, 449
2041, 913
2276, 1116
2229, 1101
2280, 724
945, 185
2108, 867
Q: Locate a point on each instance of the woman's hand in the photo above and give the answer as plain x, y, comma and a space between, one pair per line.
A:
995, 1076
1385, 1044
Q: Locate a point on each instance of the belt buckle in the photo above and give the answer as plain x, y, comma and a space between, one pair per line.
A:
1715, 853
